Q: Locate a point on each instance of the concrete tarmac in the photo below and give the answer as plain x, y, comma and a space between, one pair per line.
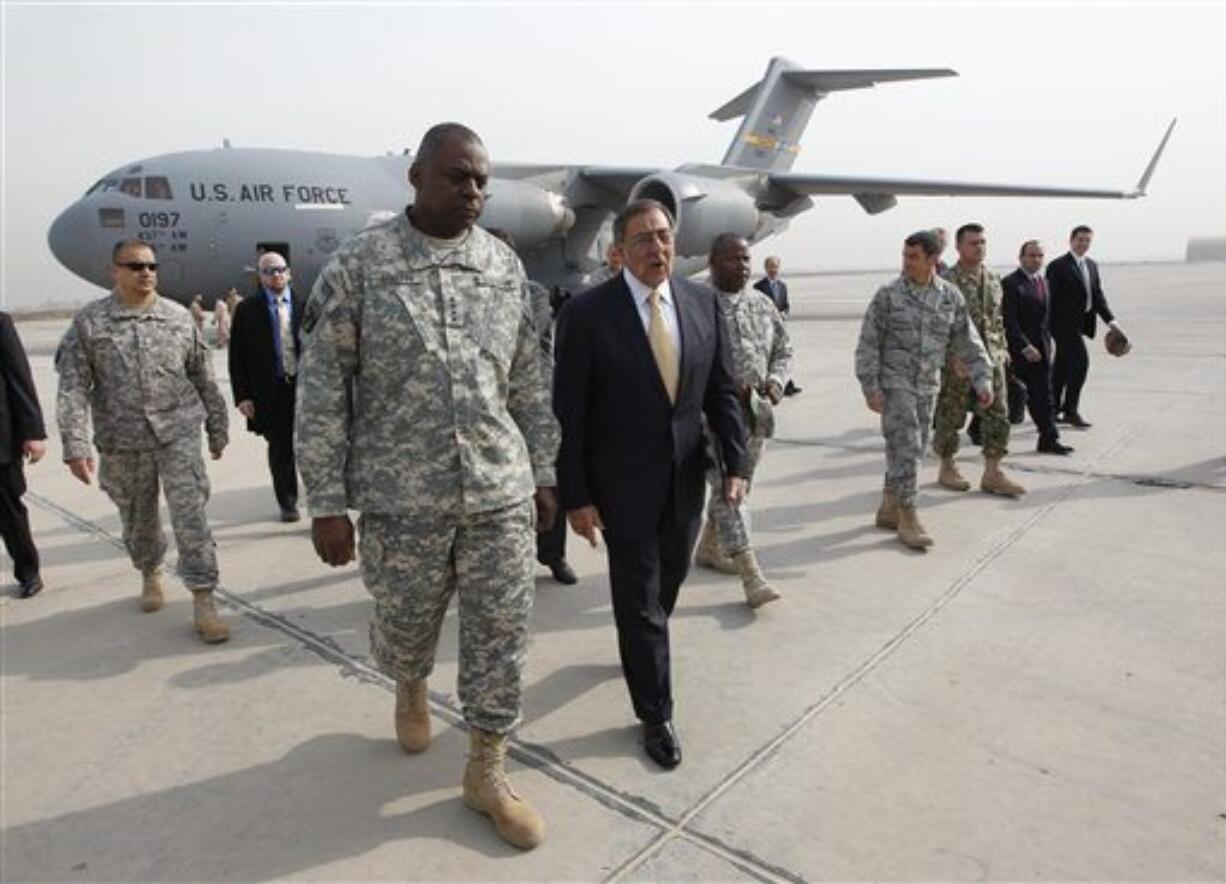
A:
1041, 696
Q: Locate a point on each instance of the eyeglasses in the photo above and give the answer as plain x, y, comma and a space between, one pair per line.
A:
138, 266
273, 271
642, 240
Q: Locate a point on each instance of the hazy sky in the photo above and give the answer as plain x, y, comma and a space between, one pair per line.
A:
1071, 94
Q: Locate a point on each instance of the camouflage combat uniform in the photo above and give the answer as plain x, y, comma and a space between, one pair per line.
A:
761, 355
907, 332
420, 404
148, 379
983, 295
603, 273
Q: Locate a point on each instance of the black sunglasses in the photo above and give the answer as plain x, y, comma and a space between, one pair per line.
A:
138, 266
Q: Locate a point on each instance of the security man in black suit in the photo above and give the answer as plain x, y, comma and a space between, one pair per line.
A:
777, 290
639, 360
263, 369
1025, 311
22, 437
1076, 292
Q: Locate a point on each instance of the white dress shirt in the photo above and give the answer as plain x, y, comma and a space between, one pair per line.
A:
641, 293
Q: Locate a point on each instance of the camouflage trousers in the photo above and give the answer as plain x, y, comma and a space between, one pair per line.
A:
954, 401
732, 523
131, 479
412, 568
905, 419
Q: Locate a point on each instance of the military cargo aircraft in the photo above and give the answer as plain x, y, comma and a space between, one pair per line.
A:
210, 213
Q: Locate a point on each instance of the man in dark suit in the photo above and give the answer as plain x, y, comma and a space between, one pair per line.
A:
639, 360
1077, 299
777, 290
22, 437
263, 370
1025, 310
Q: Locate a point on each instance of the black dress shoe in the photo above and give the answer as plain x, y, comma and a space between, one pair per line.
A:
1076, 420
31, 586
790, 389
563, 572
662, 745
290, 514
1053, 446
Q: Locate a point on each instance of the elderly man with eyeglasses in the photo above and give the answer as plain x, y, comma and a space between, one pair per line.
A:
265, 341
137, 364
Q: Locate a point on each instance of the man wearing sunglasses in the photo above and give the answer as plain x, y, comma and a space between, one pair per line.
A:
137, 364
264, 348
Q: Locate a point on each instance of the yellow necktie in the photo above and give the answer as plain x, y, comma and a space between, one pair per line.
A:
662, 347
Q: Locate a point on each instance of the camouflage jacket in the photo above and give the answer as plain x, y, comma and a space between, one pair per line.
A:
983, 296
419, 386
761, 352
144, 373
907, 331
542, 318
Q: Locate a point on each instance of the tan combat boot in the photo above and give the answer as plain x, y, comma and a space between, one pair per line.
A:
995, 481
757, 591
151, 596
950, 478
209, 625
887, 513
487, 790
412, 716
910, 531
709, 554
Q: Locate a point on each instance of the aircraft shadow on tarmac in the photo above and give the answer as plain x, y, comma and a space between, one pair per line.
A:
332, 797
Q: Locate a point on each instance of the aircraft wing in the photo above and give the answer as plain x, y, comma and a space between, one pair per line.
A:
618, 179
878, 194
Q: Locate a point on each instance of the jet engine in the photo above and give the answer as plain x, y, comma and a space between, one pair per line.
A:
704, 208
529, 213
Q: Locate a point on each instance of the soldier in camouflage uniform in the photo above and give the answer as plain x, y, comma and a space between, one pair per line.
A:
610, 269
981, 290
910, 326
551, 544
138, 362
761, 359
420, 403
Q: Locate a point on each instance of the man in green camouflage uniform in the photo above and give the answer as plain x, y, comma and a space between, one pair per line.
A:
909, 328
139, 363
982, 292
420, 404
761, 360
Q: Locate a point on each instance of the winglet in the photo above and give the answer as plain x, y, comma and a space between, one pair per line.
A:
1153, 163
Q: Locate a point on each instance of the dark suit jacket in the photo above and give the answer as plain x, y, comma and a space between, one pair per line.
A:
1067, 291
21, 417
1026, 316
623, 442
764, 286
253, 356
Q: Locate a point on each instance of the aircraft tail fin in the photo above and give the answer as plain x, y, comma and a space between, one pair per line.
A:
777, 108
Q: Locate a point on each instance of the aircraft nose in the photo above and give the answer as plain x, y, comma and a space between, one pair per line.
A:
74, 240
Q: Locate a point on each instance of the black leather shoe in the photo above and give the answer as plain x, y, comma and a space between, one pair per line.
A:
662, 745
790, 389
1053, 446
1076, 420
31, 586
563, 572
290, 514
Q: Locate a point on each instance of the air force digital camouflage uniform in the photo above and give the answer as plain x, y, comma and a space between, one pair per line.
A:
907, 332
761, 355
420, 404
983, 295
148, 379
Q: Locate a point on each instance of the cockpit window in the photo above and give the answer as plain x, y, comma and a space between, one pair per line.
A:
110, 217
131, 186
103, 186
157, 187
